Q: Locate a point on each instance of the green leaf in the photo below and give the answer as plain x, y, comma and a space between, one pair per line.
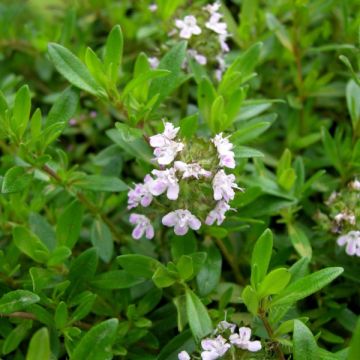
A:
163, 278
113, 53
307, 285
199, 320
63, 109
116, 279
354, 349
29, 244
299, 240
39, 347
280, 31
138, 265
250, 299
102, 240
69, 224
74, 70
246, 152
261, 256
331, 150
16, 336
274, 282
15, 180
102, 183
185, 267
188, 126
99, 339
172, 62
249, 132
61, 315
21, 113
17, 300
305, 347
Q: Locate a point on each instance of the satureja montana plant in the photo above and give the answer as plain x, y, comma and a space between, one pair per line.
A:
163, 131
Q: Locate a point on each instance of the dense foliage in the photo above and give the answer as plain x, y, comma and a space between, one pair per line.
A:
179, 179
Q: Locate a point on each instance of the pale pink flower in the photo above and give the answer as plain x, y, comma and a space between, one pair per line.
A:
242, 340
191, 170
213, 8
141, 194
224, 325
218, 213
355, 185
153, 7
187, 27
143, 226
214, 348
347, 217
215, 25
224, 148
165, 180
153, 62
181, 220
199, 58
352, 242
223, 44
184, 355
223, 186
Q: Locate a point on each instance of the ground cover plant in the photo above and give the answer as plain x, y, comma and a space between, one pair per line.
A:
179, 179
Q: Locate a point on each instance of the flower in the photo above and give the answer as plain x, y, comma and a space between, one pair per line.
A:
348, 217
201, 59
191, 170
182, 220
153, 7
218, 213
165, 148
224, 148
188, 27
214, 348
165, 180
183, 355
143, 225
153, 62
216, 26
224, 325
140, 194
213, 8
222, 40
352, 242
223, 186
242, 340
355, 185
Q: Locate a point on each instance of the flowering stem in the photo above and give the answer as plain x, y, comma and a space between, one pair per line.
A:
231, 261
269, 330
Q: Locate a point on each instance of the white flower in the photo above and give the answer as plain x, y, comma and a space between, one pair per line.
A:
332, 198
165, 180
188, 27
348, 217
222, 66
352, 242
191, 170
242, 340
182, 220
223, 44
143, 225
153, 62
214, 348
224, 148
153, 7
201, 59
213, 8
223, 186
355, 185
216, 26
218, 213
140, 194
165, 148
224, 325
184, 355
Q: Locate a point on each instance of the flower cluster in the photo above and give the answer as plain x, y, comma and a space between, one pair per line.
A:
206, 34
198, 169
343, 217
224, 338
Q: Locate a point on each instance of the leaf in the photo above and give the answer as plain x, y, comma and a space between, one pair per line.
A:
261, 256
21, 112
74, 70
188, 126
299, 240
99, 339
185, 267
102, 183
113, 52
354, 349
16, 336
138, 265
63, 109
280, 31
331, 149
29, 244
199, 320
274, 282
163, 278
250, 299
102, 240
172, 61
40, 227
39, 347
69, 224
116, 279
249, 132
17, 300
307, 285
305, 347
246, 152
15, 180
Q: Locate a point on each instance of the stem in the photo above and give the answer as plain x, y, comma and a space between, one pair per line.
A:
231, 261
270, 332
